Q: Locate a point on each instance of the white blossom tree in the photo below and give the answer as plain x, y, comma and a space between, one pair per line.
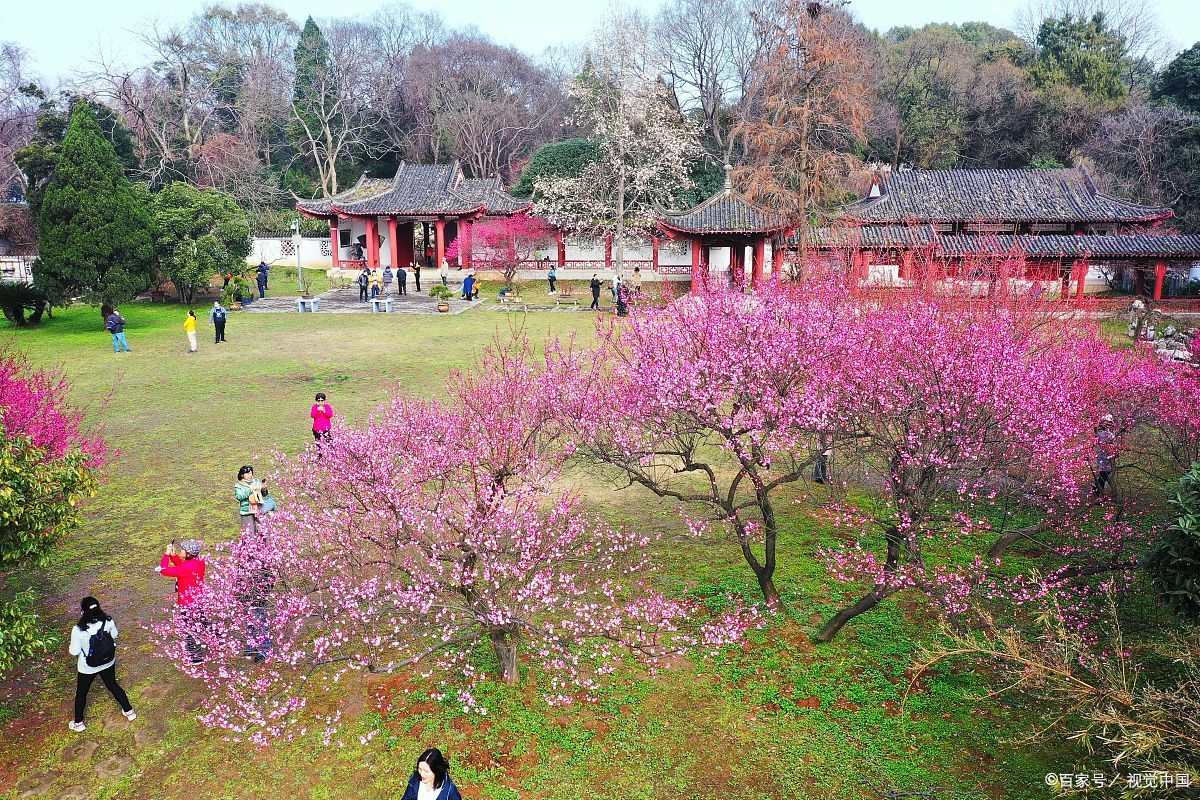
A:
646, 147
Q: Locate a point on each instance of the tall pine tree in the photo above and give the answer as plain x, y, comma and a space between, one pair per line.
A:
309, 101
95, 232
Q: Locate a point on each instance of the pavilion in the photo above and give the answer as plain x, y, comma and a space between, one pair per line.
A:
728, 219
384, 213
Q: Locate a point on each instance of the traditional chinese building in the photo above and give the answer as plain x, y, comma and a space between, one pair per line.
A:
419, 211
1032, 225
728, 220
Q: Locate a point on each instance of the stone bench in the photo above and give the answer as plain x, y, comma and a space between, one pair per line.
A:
313, 303
385, 301
566, 298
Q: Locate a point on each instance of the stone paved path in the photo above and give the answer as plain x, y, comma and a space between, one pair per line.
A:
345, 301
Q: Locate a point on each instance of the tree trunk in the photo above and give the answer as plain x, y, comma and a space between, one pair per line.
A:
506, 646
881, 591
764, 571
106, 310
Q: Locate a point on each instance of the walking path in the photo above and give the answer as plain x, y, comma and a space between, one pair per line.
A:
345, 301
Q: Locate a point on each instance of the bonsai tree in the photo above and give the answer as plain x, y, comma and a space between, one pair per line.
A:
440, 292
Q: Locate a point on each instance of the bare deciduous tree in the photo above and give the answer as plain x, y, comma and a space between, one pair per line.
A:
17, 112
706, 50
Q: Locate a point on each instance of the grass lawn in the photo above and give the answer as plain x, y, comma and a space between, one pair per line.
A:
780, 717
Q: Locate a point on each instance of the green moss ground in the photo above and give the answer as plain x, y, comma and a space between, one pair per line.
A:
779, 717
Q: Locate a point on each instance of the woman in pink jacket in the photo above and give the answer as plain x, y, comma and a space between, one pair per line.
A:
321, 414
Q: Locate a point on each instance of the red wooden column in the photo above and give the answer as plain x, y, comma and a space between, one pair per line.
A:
1081, 271
756, 263
654, 253
465, 261
439, 236
1160, 272
372, 243
394, 242
335, 238
696, 280
562, 250
776, 259
608, 252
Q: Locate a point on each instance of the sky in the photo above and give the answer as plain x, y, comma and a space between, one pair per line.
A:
62, 36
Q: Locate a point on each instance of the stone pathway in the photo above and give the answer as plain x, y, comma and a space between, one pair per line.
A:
345, 301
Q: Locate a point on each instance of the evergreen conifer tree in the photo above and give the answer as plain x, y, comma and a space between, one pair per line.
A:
95, 230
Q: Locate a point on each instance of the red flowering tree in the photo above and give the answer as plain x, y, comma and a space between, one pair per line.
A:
505, 243
717, 402
49, 460
433, 538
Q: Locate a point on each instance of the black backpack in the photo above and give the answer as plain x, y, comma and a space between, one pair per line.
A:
102, 648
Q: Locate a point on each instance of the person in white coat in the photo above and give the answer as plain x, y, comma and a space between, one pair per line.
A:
93, 640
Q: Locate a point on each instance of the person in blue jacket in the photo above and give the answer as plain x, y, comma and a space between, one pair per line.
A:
431, 780
468, 288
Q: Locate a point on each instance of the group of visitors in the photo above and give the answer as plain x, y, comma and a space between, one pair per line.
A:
374, 283
621, 286
93, 639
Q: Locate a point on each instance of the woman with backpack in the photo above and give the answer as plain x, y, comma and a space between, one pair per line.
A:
93, 639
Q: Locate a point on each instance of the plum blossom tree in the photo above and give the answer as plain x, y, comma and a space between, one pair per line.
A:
644, 156
505, 243
717, 402
49, 461
977, 427
429, 538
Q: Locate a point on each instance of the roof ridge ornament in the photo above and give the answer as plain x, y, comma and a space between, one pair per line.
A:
728, 178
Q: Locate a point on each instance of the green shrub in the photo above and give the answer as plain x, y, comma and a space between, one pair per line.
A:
1174, 567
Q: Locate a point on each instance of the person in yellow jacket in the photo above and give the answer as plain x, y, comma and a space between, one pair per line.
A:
189, 327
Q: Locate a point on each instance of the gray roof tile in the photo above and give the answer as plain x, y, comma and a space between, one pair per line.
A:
420, 190
947, 195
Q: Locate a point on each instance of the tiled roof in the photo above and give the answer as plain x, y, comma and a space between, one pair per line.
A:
1135, 245
726, 211
898, 236
984, 195
417, 190
366, 187
489, 192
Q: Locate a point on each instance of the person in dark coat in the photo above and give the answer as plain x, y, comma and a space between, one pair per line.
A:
364, 281
417, 275
402, 281
595, 306
431, 779
260, 276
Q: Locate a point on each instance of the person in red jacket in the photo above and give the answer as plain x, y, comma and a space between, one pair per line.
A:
183, 563
322, 412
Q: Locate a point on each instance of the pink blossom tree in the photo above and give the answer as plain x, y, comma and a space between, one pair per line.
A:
976, 429
434, 538
49, 461
717, 402
505, 243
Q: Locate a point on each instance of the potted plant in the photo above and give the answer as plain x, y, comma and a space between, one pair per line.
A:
236, 293
306, 288
442, 294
